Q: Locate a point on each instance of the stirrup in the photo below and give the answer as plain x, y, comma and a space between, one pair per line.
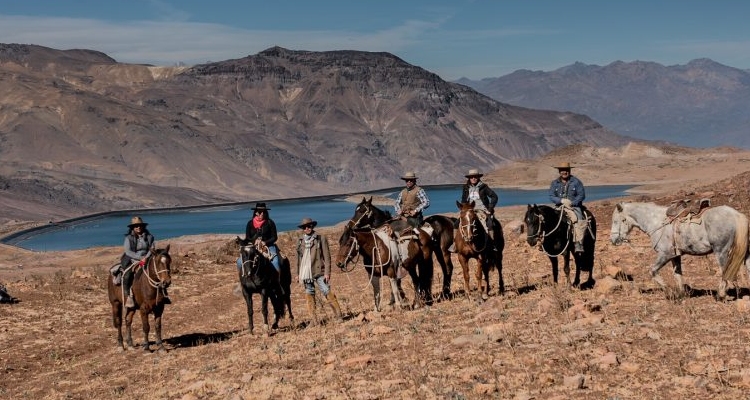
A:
130, 303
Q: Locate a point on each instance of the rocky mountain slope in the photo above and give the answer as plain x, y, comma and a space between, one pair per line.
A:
81, 133
700, 104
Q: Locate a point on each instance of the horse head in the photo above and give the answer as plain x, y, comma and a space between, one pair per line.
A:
162, 266
249, 255
348, 248
534, 221
363, 214
467, 221
622, 224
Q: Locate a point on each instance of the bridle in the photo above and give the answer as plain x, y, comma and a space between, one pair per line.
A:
367, 214
157, 283
468, 230
252, 262
541, 234
377, 256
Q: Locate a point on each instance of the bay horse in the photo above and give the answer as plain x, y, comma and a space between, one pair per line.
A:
258, 276
379, 261
720, 230
149, 288
472, 241
549, 229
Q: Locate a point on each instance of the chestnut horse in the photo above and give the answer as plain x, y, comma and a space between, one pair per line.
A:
471, 241
257, 275
149, 287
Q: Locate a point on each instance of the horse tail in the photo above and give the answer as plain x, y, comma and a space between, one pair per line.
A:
738, 252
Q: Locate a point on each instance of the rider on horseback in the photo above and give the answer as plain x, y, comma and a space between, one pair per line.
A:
411, 201
484, 199
567, 192
137, 245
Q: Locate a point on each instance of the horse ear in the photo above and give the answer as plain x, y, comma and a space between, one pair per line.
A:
619, 207
458, 204
370, 201
166, 249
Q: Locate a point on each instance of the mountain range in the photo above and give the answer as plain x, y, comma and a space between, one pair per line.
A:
701, 104
82, 133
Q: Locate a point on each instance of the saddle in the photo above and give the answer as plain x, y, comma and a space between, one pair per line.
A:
685, 209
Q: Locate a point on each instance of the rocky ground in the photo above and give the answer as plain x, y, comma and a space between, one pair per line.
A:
624, 338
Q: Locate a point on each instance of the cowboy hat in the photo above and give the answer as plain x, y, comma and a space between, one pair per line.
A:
409, 176
565, 165
136, 221
307, 221
474, 172
260, 206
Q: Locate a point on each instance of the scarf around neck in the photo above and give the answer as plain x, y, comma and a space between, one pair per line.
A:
257, 222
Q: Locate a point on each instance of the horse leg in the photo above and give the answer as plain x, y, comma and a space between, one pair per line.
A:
418, 290
375, 283
465, 269
566, 270
396, 292
499, 267
482, 284
117, 322
660, 261
249, 303
146, 329
129, 314
553, 261
264, 311
158, 311
446, 265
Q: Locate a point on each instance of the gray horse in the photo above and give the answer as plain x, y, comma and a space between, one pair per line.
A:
721, 230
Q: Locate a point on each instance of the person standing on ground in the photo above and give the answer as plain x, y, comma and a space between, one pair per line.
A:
314, 267
411, 201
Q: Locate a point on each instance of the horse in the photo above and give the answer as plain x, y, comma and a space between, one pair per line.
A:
472, 241
721, 230
549, 229
258, 276
442, 240
378, 260
368, 215
149, 288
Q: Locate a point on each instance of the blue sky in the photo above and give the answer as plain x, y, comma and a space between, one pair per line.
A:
453, 38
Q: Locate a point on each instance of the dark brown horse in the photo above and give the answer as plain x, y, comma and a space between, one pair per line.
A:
258, 276
442, 240
472, 241
149, 288
380, 260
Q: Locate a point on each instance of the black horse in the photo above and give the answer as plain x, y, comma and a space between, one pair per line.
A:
442, 240
550, 229
257, 275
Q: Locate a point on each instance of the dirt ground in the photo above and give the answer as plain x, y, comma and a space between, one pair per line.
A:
625, 338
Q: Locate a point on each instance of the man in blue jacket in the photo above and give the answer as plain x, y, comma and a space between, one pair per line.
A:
567, 191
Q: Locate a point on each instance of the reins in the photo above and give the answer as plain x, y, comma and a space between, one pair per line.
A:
542, 235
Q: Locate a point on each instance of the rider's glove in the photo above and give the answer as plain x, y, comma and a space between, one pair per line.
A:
566, 202
142, 262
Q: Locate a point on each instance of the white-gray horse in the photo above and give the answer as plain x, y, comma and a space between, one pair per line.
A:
721, 230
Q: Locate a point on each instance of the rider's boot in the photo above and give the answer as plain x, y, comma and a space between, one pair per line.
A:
580, 232
130, 303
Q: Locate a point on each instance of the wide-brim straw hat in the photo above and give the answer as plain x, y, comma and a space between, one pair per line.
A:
307, 221
136, 221
474, 172
409, 176
260, 207
565, 165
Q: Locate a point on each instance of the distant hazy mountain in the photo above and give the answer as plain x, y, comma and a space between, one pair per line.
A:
701, 104
80, 132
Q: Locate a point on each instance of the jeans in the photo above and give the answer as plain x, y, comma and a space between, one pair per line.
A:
274, 261
322, 285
